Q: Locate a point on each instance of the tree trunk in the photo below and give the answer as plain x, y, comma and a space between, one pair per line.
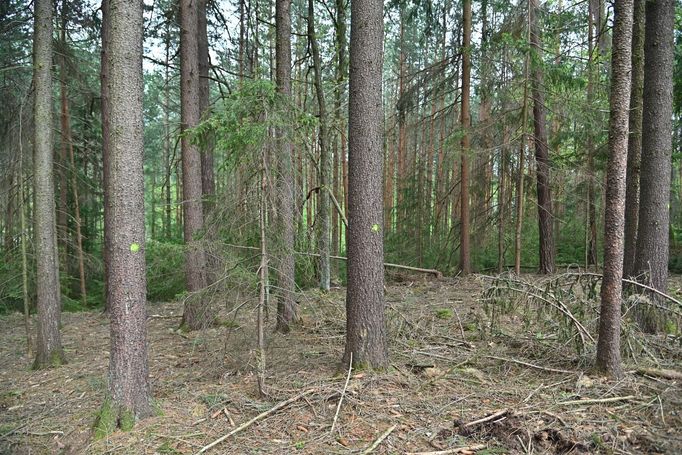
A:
325, 158
167, 223
541, 150
198, 313
635, 141
366, 343
608, 345
129, 391
104, 87
286, 305
49, 350
518, 228
464, 247
592, 32
67, 144
207, 174
654, 209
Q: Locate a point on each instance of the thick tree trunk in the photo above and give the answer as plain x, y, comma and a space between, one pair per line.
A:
129, 391
366, 343
286, 305
654, 209
49, 350
464, 245
547, 253
198, 312
608, 345
635, 141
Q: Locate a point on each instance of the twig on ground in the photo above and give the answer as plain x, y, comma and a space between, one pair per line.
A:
597, 400
551, 414
493, 416
379, 440
343, 393
538, 367
468, 449
260, 416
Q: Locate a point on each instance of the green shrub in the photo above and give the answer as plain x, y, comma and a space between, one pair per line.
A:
165, 270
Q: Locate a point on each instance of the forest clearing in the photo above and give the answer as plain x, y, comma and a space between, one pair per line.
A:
437, 383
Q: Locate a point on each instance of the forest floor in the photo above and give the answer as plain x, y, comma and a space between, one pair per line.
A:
450, 367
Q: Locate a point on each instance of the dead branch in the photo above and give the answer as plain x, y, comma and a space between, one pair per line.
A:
665, 374
468, 449
434, 272
491, 417
343, 393
531, 365
260, 416
598, 400
379, 440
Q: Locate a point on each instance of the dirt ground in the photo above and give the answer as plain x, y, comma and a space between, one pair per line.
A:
449, 369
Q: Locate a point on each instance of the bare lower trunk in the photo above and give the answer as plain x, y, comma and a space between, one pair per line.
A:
608, 346
544, 193
198, 312
366, 342
635, 140
49, 350
286, 305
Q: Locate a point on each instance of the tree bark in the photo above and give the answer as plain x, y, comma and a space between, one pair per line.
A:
635, 140
129, 389
49, 350
608, 345
104, 88
207, 159
654, 209
464, 245
286, 305
324, 212
366, 342
198, 313
544, 193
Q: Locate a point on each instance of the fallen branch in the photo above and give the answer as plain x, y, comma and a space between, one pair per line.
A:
489, 418
343, 392
598, 400
379, 440
531, 365
665, 374
260, 416
468, 449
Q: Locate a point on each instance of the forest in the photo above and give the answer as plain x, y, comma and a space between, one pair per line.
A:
340, 227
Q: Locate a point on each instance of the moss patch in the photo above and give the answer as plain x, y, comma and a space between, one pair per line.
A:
106, 420
112, 417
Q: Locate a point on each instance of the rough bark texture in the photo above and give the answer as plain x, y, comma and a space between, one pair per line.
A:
286, 305
608, 345
366, 322
104, 87
541, 150
325, 172
197, 313
49, 350
464, 244
207, 172
635, 139
652, 238
128, 369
